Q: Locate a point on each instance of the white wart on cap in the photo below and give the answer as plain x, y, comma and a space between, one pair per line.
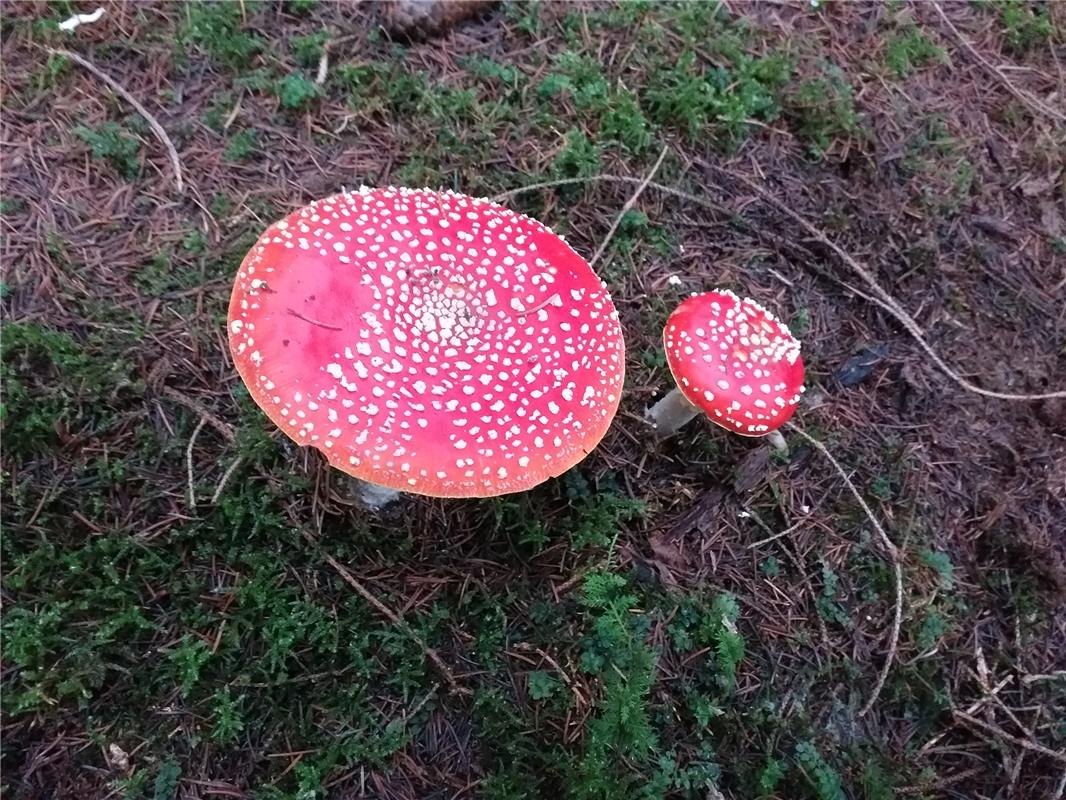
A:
734, 360
428, 342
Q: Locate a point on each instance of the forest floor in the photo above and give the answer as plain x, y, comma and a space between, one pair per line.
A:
689, 618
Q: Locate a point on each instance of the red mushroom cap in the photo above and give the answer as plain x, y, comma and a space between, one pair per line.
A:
428, 342
734, 360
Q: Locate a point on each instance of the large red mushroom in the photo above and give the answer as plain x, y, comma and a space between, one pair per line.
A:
732, 360
427, 341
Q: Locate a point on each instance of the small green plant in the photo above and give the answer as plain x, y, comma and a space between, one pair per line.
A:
215, 27
579, 158
770, 775
55, 67
932, 630
625, 123
226, 718
818, 771
1026, 25
308, 49
876, 783
910, 49
12, 205
770, 567
615, 649
295, 91
822, 110
195, 241
542, 685
241, 145
188, 658
721, 630
50, 381
579, 77
166, 781
112, 143
595, 515
940, 563
826, 603
721, 102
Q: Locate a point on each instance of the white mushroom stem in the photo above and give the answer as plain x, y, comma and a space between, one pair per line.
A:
671, 413
373, 496
777, 441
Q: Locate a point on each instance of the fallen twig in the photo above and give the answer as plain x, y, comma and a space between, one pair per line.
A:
390, 615
885, 300
189, 464
223, 428
976, 704
632, 201
1034, 104
225, 479
893, 553
160, 133
889, 303
999, 733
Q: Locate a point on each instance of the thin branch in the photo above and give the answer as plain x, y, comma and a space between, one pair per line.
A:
659, 187
390, 615
999, 733
885, 300
889, 302
1034, 104
893, 554
224, 429
632, 201
160, 133
976, 704
225, 479
188, 462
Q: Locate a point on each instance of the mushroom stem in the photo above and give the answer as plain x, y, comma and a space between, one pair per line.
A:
373, 496
777, 441
671, 413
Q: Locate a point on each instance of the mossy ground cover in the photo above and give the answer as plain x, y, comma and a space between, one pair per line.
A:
637, 628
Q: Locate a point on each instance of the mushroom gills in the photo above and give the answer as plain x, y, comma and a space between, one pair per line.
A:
671, 413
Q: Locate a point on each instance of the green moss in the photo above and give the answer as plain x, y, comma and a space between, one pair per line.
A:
112, 143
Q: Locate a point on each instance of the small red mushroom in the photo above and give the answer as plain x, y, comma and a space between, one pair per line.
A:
428, 342
733, 360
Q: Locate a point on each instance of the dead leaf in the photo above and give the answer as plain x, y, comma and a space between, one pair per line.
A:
118, 758
700, 517
666, 550
666, 558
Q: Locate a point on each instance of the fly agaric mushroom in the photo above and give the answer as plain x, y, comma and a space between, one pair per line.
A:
427, 342
732, 360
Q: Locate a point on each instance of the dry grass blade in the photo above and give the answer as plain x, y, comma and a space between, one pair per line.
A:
160, 133
225, 479
189, 462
